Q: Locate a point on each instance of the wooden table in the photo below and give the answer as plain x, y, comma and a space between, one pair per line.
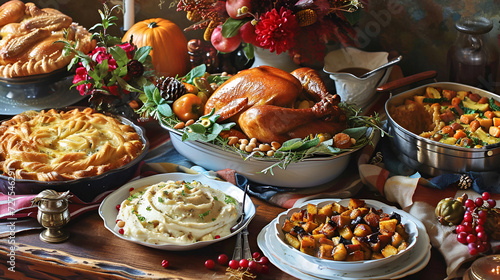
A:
92, 252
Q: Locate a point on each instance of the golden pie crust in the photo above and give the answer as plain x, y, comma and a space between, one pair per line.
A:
65, 145
27, 39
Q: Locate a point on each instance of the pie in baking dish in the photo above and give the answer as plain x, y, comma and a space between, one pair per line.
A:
27, 36
65, 145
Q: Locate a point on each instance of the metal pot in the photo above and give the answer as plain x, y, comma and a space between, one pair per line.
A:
432, 157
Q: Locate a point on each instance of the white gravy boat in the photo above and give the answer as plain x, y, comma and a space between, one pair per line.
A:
350, 88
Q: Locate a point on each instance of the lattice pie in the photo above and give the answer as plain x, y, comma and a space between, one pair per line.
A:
27, 39
56, 145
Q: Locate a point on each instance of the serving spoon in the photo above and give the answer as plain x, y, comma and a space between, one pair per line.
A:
388, 64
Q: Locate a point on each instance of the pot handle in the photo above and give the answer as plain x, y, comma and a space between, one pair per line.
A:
406, 81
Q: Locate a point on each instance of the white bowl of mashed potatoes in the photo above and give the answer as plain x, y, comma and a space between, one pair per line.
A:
175, 211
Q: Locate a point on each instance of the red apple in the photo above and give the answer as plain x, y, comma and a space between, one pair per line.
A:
232, 7
223, 44
247, 33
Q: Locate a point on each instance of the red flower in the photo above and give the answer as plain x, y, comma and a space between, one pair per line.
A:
99, 54
112, 89
276, 31
81, 75
128, 48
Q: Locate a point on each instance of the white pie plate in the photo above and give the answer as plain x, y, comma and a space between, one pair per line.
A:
410, 227
309, 172
108, 211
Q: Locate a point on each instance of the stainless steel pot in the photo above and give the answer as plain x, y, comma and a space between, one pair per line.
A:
434, 158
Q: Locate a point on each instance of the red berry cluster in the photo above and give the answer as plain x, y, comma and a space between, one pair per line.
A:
256, 265
471, 231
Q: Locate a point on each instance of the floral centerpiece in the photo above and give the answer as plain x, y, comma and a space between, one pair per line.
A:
114, 73
301, 27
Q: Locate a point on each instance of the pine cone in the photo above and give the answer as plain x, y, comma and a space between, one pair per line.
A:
170, 88
465, 182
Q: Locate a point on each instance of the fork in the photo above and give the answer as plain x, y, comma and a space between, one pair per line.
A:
242, 247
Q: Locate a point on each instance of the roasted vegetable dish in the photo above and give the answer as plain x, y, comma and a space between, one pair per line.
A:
460, 118
355, 232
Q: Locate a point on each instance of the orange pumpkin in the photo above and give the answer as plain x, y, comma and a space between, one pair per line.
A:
169, 54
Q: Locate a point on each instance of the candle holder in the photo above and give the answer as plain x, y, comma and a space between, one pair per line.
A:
485, 268
53, 214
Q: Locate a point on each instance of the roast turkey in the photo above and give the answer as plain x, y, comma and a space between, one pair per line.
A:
262, 101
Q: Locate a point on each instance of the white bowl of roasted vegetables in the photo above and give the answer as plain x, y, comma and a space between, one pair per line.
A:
348, 234
277, 128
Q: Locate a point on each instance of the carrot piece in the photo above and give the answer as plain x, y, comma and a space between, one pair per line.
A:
486, 123
474, 125
456, 101
447, 130
496, 121
494, 131
448, 94
419, 99
483, 100
489, 114
459, 110
466, 118
459, 134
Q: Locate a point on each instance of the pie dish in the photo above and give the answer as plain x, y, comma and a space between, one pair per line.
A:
27, 39
108, 211
65, 145
85, 188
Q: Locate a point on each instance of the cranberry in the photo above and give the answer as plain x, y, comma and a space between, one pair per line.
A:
264, 269
482, 236
479, 228
217, 236
234, 264
121, 231
469, 203
243, 263
480, 248
486, 195
254, 266
131, 189
263, 260
468, 217
165, 263
479, 202
209, 264
118, 207
483, 214
471, 238
462, 237
492, 203
222, 259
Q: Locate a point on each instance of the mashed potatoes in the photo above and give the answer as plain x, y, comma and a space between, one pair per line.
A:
177, 212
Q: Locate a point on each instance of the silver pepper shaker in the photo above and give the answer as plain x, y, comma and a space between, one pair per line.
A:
53, 214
